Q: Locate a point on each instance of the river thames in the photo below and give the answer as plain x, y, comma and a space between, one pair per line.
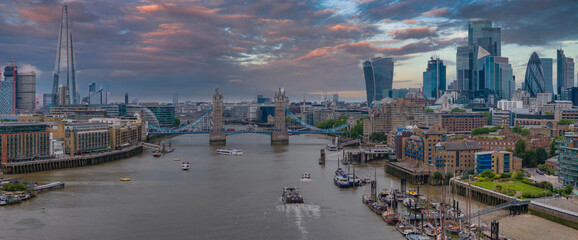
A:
220, 197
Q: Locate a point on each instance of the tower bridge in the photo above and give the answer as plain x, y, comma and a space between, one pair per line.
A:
212, 123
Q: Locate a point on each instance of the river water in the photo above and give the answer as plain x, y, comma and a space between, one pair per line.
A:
220, 197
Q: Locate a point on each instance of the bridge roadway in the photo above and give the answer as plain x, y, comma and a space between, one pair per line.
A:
243, 132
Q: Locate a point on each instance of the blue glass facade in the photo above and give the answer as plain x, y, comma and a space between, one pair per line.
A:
495, 77
378, 75
483, 162
548, 77
434, 78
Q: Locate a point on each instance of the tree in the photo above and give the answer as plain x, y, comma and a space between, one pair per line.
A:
525, 132
553, 148
496, 128
529, 158
290, 120
568, 189
541, 155
487, 174
516, 129
564, 121
176, 122
520, 147
479, 131
437, 175
378, 137
488, 116
547, 113
458, 110
429, 110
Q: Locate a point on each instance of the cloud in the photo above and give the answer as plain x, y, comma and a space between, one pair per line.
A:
26, 68
440, 12
413, 33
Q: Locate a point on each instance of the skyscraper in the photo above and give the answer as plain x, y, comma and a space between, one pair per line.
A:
495, 75
481, 35
378, 77
26, 91
434, 78
64, 68
8, 89
548, 77
565, 71
534, 82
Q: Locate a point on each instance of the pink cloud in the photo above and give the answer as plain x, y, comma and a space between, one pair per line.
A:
437, 12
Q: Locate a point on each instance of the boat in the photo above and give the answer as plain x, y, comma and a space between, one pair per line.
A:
416, 236
385, 197
224, 151
340, 172
341, 181
405, 228
305, 175
412, 192
125, 179
366, 199
430, 230
331, 147
452, 227
185, 166
390, 217
291, 195
377, 207
156, 154
177, 159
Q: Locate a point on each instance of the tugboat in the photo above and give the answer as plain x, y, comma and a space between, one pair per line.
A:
185, 166
291, 195
156, 154
305, 175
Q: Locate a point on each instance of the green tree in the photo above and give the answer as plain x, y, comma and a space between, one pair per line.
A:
290, 120
437, 175
479, 131
541, 155
520, 147
553, 148
529, 158
496, 128
458, 110
564, 121
488, 116
487, 174
525, 132
547, 113
516, 129
378, 137
176, 122
429, 110
568, 189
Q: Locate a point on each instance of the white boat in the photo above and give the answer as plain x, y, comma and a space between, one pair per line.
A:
229, 151
305, 175
185, 166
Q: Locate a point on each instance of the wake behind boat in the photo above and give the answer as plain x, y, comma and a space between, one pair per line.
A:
224, 151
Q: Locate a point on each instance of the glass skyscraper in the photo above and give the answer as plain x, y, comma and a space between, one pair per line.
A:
548, 77
64, 68
434, 78
378, 77
495, 75
565, 70
481, 35
534, 81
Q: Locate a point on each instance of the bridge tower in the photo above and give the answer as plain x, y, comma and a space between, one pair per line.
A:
217, 134
280, 134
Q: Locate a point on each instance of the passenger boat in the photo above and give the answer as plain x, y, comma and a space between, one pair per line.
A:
305, 175
416, 236
390, 217
156, 154
405, 228
291, 195
229, 151
185, 166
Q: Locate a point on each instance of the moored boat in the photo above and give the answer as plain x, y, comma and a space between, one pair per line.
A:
291, 195
341, 181
390, 217
452, 227
416, 236
430, 230
405, 228
156, 154
185, 166
305, 175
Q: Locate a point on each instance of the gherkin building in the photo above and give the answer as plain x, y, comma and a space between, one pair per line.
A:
534, 82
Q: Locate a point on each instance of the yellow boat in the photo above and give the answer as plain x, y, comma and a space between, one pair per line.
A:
177, 159
125, 179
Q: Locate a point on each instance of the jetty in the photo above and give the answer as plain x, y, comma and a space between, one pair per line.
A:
50, 186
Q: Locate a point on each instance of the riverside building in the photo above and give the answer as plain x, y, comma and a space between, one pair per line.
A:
568, 160
23, 141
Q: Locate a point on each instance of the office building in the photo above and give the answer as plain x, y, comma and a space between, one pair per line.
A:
164, 114
378, 77
125, 98
23, 141
574, 96
8, 89
494, 75
565, 71
64, 69
434, 78
175, 99
453, 157
395, 93
534, 82
26, 92
548, 75
394, 114
481, 35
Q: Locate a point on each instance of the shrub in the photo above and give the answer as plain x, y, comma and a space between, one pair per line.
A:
527, 181
498, 188
497, 176
482, 179
9, 187
533, 194
506, 175
518, 175
487, 173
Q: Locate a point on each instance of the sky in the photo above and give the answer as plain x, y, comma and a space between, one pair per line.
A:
152, 49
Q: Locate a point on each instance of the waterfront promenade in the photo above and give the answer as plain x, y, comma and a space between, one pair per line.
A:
69, 162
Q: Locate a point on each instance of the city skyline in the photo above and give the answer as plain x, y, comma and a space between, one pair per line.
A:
161, 47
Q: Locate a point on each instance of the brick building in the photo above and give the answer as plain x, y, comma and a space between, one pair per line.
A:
462, 123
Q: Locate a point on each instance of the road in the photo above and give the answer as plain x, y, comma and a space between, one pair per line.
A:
539, 178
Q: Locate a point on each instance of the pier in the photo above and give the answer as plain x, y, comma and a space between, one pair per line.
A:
50, 186
416, 177
70, 162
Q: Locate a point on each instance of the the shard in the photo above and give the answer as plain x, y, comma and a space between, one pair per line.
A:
64, 69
